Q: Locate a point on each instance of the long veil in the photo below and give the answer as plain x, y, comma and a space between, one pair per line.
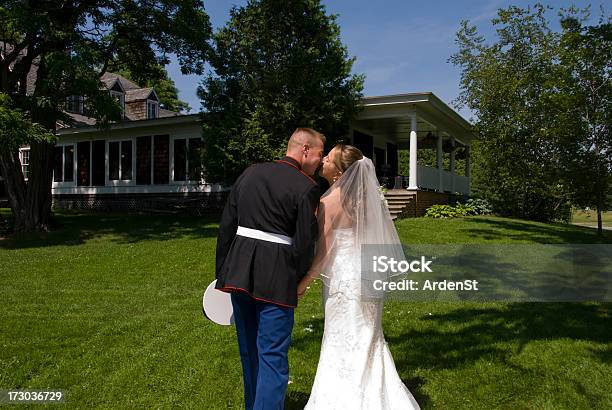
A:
354, 202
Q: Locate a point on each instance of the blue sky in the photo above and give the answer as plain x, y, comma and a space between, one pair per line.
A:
401, 46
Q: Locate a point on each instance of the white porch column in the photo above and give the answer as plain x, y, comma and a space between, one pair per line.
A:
467, 168
440, 163
452, 164
412, 178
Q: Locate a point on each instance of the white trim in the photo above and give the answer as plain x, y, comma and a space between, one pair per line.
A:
120, 181
138, 189
63, 182
155, 105
117, 82
121, 96
413, 159
187, 180
21, 164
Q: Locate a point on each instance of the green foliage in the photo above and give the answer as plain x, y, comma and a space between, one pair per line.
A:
444, 211
479, 206
76, 45
278, 65
472, 206
16, 129
536, 153
585, 54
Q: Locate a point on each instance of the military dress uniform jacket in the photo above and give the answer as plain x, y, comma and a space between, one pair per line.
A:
273, 197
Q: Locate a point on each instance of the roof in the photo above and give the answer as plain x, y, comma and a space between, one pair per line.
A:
133, 93
109, 80
123, 125
138, 94
391, 114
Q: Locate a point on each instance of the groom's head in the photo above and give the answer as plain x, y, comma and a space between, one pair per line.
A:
306, 147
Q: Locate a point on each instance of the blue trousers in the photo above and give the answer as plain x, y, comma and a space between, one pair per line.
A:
264, 335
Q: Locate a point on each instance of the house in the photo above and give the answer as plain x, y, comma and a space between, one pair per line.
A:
143, 161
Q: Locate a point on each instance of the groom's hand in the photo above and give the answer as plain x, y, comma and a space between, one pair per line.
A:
301, 290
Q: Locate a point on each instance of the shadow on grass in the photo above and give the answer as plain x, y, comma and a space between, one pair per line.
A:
296, 400
484, 331
496, 229
75, 228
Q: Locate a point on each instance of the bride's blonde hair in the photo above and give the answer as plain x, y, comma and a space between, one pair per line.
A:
348, 154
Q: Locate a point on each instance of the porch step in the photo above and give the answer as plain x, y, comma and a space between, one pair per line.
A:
398, 200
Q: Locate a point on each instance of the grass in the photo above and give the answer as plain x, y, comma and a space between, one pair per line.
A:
590, 217
107, 307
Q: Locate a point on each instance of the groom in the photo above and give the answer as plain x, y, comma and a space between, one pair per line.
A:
265, 246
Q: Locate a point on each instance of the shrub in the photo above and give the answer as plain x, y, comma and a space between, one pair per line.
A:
471, 207
441, 211
480, 206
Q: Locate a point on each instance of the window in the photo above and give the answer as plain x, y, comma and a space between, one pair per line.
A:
91, 162
58, 162
83, 163
98, 162
120, 98
180, 160
69, 163
143, 160
152, 109
63, 168
120, 160
75, 104
161, 159
187, 164
152, 160
25, 162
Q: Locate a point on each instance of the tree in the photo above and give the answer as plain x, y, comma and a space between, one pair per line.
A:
51, 50
278, 65
529, 159
585, 55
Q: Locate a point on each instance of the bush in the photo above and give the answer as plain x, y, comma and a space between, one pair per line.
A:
441, 211
471, 207
464, 209
480, 206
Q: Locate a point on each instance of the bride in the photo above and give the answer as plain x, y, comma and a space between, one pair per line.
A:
356, 369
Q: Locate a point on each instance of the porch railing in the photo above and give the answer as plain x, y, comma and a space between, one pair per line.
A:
428, 177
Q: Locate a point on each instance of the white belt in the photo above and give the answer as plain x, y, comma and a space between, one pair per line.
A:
264, 236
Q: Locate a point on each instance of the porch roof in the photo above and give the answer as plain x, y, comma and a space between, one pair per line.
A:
390, 115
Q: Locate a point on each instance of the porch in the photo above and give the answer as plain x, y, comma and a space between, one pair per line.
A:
419, 145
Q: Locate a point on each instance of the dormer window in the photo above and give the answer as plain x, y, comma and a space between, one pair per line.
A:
152, 109
75, 104
120, 98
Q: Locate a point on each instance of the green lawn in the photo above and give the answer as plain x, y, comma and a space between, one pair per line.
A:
107, 307
590, 216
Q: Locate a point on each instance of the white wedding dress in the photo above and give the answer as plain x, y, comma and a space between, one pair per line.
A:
356, 369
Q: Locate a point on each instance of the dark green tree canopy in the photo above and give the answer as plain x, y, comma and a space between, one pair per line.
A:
542, 128
277, 65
